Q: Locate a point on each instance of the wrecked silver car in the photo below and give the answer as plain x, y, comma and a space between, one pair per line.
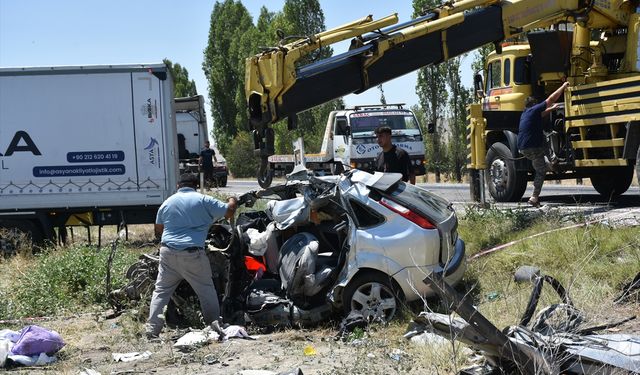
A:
326, 246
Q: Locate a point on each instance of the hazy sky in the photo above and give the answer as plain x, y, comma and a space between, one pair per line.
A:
66, 32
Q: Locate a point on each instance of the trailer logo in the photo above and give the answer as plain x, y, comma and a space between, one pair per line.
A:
153, 150
21, 142
150, 110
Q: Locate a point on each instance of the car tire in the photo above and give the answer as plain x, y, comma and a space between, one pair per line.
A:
374, 295
505, 183
265, 174
613, 182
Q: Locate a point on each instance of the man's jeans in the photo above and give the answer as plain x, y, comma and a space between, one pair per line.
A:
176, 265
536, 155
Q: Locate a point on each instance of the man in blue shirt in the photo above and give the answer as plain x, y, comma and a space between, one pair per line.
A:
183, 221
531, 141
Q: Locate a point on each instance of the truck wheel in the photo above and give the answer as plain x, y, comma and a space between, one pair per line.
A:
613, 182
505, 183
373, 295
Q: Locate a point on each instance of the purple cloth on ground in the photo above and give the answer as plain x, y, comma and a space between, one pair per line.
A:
35, 340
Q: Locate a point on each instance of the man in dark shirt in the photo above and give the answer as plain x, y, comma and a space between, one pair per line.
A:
392, 158
207, 157
531, 141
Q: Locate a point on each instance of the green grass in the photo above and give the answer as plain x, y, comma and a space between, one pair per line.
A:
590, 261
59, 280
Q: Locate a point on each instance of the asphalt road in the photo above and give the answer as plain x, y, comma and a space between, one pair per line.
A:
552, 193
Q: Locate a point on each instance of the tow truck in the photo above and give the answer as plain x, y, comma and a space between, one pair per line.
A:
593, 44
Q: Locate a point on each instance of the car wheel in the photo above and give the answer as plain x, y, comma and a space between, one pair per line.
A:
505, 183
373, 295
613, 182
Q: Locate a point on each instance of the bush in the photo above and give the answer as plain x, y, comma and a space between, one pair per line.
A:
66, 279
240, 158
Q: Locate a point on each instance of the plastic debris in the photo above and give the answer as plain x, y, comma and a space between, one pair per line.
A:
309, 350
130, 357
88, 371
396, 354
195, 339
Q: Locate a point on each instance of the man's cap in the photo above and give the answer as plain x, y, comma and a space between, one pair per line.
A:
383, 129
188, 178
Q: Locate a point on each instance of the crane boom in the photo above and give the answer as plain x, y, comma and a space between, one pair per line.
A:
277, 86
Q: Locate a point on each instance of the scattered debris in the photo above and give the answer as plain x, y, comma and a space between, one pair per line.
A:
197, 338
130, 357
31, 346
88, 371
397, 354
354, 320
296, 371
309, 350
552, 344
629, 291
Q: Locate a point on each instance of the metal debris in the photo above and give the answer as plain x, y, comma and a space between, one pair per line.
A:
553, 343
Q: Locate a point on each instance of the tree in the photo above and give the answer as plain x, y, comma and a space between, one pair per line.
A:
299, 19
432, 96
459, 99
240, 158
224, 69
182, 86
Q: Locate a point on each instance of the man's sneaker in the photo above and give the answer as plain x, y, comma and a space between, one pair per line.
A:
533, 201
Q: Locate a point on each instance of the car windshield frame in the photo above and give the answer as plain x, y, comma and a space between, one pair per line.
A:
363, 122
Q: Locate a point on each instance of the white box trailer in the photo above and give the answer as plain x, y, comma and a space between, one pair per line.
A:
191, 124
85, 145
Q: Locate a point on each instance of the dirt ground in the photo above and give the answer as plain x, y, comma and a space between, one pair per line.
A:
92, 339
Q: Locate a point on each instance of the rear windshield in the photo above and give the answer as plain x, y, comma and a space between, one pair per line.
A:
369, 121
423, 201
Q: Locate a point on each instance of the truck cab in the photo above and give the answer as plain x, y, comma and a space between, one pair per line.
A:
350, 142
354, 140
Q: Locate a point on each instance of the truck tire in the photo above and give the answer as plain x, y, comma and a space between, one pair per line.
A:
265, 174
505, 183
613, 182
